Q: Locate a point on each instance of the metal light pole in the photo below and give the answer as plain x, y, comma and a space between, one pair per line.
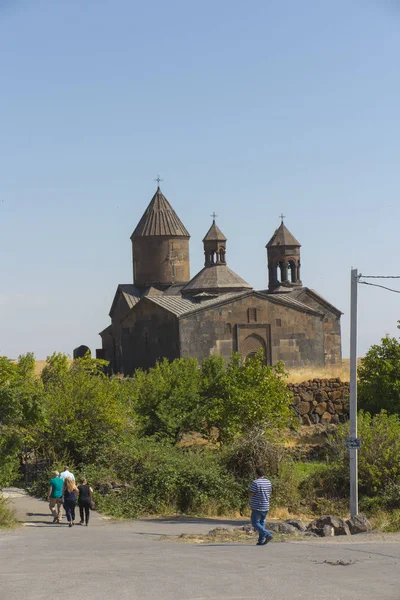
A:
354, 442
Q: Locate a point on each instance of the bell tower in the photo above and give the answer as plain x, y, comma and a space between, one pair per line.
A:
160, 246
283, 254
214, 246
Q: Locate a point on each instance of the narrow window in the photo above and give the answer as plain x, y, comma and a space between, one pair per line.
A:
279, 322
251, 315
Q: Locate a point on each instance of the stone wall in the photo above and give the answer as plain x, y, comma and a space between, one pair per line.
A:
286, 334
321, 401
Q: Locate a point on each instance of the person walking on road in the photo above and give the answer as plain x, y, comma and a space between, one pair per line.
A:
69, 492
67, 473
85, 500
54, 496
259, 493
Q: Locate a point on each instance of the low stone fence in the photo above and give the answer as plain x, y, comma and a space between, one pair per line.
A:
321, 401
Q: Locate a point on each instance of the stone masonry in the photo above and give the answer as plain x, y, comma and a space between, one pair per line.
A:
321, 401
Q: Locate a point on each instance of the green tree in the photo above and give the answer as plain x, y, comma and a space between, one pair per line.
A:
85, 410
168, 398
21, 411
378, 458
56, 369
379, 377
245, 395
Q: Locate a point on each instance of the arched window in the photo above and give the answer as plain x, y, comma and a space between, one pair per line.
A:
251, 345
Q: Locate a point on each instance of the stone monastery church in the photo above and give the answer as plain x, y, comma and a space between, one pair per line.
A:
166, 313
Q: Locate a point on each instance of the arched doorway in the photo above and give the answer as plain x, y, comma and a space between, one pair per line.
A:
251, 345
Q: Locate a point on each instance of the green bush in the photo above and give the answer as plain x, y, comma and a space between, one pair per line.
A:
378, 458
262, 449
40, 486
149, 477
325, 489
7, 514
85, 410
379, 378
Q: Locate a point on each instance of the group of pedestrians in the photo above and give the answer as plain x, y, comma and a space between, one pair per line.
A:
63, 492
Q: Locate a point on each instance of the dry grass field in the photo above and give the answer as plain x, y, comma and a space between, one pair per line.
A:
39, 366
306, 373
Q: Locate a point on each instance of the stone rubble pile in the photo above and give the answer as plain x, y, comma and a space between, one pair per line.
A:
321, 401
325, 526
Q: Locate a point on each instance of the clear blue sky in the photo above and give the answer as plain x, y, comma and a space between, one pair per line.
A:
245, 108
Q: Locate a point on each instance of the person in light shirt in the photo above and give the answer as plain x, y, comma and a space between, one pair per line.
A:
67, 473
259, 493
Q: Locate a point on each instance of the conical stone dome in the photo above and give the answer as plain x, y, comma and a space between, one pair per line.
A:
160, 218
160, 246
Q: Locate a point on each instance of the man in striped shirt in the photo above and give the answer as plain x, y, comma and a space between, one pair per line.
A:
259, 492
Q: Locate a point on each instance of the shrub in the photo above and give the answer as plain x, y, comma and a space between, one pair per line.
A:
249, 394
168, 398
7, 514
379, 377
386, 521
85, 410
325, 489
378, 458
252, 450
150, 477
174, 397
260, 449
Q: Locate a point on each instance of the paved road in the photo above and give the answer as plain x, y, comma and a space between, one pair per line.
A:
125, 561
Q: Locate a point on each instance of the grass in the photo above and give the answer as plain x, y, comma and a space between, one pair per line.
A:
7, 515
307, 373
388, 522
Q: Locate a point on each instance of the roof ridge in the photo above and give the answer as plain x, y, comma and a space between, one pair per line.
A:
215, 277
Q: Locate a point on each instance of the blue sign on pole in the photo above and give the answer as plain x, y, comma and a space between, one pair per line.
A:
353, 443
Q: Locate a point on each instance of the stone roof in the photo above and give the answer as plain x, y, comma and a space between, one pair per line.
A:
107, 331
283, 237
187, 305
216, 278
160, 218
130, 293
297, 292
214, 234
291, 302
184, 306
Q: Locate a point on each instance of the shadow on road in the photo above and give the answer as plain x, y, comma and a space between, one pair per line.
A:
197, 520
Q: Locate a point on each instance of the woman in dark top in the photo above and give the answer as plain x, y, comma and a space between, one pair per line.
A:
84, 501
69, 492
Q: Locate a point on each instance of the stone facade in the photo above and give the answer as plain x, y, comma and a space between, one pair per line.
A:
321, 401
281, 332
164, 313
